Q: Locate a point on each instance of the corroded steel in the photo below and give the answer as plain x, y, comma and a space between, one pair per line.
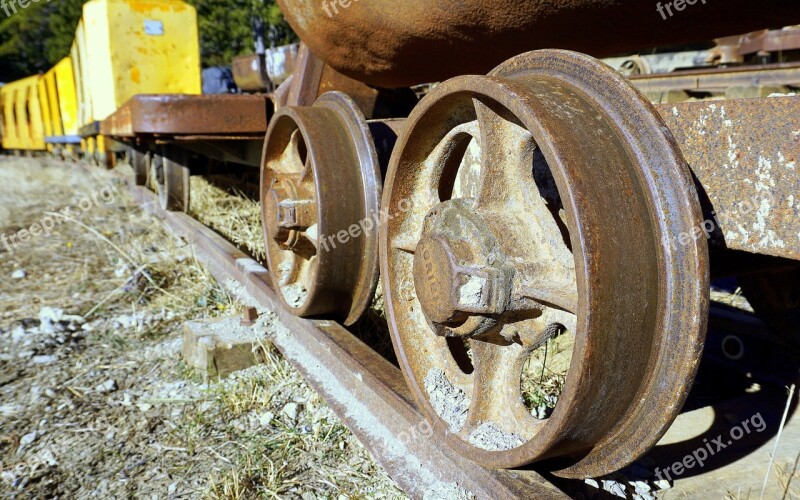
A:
744, 153
177, 114
171, 175
718, 80
140, 161
390, 44
250, 73
506, 260
320, 186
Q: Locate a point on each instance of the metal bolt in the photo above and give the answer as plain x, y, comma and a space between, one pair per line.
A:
249, 316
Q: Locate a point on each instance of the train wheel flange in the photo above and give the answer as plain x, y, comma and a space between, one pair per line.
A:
320, 195
171, 176
565, 227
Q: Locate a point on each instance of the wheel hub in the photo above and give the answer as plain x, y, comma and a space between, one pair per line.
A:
459, 273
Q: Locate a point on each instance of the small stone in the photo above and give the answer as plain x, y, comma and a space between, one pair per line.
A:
26, 440
44, 360
50, 393
172, 488
19, 274
592, 482
615, 488
145, 407
662, 484
266, 418
26, 354
126, 399
641, 487
109, 385
291, 410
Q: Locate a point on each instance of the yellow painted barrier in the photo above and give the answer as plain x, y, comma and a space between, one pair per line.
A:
22, 114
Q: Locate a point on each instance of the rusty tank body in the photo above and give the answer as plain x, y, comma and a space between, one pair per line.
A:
389, 43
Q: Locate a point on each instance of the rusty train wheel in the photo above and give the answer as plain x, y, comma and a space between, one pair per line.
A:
172, 177
320, 196
564, 228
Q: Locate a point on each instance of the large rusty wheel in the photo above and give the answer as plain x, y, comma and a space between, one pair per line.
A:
171, 176
320, 195
564, 227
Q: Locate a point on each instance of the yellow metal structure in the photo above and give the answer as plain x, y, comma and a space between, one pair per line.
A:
137, 47
79, 58
43, 87
67, 97
22, 114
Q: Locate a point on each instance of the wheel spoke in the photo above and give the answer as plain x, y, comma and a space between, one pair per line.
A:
497, 418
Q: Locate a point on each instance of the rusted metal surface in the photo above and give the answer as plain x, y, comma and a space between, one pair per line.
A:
140, 161
770, 41
363, 389
718, 80
385, 44
503, 262
744, 153
249, 316
171, 175
320, 180
312, 78
250, 73
178, 114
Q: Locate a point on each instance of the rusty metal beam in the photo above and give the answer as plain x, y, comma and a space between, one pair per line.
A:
178, 114
717, 80
744, 155
363, 388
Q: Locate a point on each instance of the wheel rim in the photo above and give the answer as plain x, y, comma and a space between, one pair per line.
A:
320, 178
572, 116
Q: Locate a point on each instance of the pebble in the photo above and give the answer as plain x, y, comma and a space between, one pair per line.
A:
291, 410
26, 440
44, 360
109, 385
266, 418
19, 274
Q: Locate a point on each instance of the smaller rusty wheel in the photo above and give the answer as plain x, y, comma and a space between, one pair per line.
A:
320, 192
559, 229
171, 176
140, 162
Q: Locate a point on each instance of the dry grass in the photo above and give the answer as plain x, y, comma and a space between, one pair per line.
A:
232, 215
161, 432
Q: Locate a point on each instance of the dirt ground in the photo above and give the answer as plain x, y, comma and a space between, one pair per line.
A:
94, 397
